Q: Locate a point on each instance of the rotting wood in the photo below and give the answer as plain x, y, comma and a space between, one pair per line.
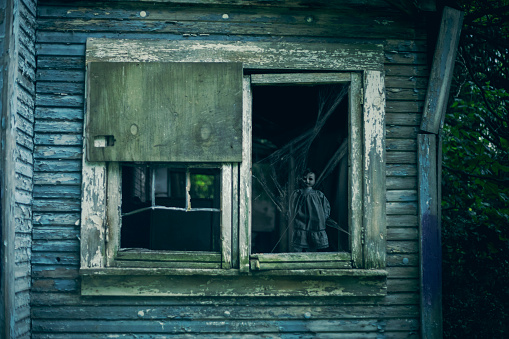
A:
322, 24
401, 145
442, 70
254, 55
226, 216
401, 208
93, 215
401, 157
254, 286
401, 170
355, 174
49, 300
236, 312
403, 119
374, 207
113, 211
301, 257
256, 265
245, 175
173, 128
74, 300
182, 326
161, 256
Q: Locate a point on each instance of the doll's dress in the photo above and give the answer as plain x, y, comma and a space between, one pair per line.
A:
310, 210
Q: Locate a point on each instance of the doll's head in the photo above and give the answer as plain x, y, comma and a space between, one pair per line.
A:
308, 178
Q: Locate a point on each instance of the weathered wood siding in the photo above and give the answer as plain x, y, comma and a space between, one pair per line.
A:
57, 307
18, 101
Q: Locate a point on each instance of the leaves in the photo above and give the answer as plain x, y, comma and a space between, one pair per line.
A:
475, 187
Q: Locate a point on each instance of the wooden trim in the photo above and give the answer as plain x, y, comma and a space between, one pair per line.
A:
167, 256
355, 173
254, 55
374, 190
9, 71
430, 242
442, 69
93, 209
226, 216
302, 257
300, 78
318, 283
300, 261
245, 174
257, 265
113, 211
235, 215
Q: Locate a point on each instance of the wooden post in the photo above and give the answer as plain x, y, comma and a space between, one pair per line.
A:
442, 71
430, 237
429, 172
245, 174
374, 171
9, 67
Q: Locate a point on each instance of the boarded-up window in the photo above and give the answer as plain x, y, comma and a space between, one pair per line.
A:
185, 112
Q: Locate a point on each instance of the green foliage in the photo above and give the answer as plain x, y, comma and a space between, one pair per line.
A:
475, 187
202, 186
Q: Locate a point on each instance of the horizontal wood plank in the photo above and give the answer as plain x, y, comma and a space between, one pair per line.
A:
394, 183
220, 312
254, 286
254, 55
401, 170
402, 208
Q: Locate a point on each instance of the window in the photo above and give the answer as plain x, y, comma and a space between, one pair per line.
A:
184, 180
168, 208
301, 122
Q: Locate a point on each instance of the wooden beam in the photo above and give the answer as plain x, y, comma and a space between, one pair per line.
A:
282, 283
254, 55
430, 238
9, 69
442, 71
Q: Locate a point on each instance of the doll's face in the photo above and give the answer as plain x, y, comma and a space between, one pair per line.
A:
309, 179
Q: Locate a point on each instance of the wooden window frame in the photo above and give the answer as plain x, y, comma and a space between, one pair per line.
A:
243, 272
144, 258
325, 260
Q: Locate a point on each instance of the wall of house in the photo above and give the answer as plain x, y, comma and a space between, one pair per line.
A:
57, 306
18, 101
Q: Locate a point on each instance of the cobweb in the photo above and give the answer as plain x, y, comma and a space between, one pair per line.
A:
321, 146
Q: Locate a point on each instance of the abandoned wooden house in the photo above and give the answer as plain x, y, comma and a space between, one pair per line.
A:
152, 153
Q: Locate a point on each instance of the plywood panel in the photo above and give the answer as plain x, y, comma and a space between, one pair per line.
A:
188, 112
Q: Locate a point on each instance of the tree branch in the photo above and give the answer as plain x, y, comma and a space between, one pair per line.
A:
504, 181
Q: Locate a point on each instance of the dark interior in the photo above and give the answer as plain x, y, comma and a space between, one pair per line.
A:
282, 119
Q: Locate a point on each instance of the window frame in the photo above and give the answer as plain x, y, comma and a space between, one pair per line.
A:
100, 187
323, 260
118, 257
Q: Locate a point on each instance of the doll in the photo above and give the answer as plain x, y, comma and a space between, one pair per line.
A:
310, 210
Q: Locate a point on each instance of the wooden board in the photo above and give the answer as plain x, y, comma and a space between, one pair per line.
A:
372, 284
430, 238
442, 70
187, 112
254, 55
374, 171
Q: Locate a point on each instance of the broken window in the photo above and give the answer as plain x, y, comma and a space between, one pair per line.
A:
170, 208
298, 128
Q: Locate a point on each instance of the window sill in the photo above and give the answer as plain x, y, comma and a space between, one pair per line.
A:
232, 283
